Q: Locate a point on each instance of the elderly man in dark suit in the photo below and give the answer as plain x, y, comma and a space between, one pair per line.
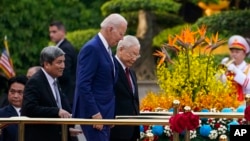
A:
43, 97
126, 90
15, 97
57, 33
94, 97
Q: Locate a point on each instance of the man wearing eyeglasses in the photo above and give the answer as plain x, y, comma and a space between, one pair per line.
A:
15, 98
126, 89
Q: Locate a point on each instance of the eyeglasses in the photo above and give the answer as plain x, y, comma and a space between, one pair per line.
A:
133, 55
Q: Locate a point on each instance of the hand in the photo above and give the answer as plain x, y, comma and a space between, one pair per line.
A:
97, 126
64, 114
224, 60
232, 68
74, 131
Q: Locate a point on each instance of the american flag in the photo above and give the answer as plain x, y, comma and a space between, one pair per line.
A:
6, 62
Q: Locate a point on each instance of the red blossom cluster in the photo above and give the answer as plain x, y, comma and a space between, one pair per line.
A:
247, 113
186, 120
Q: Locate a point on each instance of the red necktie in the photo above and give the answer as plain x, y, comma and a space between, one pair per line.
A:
128, 78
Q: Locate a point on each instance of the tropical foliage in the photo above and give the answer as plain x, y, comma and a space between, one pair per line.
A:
191, 77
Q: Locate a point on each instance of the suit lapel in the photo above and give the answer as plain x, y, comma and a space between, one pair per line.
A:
123, 77
11, 111
106, 54
47, 86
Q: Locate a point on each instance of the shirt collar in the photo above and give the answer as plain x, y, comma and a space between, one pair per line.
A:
60, 42
123, 66
49, 78
105, 43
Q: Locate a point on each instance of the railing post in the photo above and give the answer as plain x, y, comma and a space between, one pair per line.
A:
21, 131
64, 132
223, 138
247, 99
176, 104
187, 132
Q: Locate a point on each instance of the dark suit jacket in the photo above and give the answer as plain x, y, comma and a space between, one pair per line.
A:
67, 80
10, 132
94, 86
126, 103
38, 102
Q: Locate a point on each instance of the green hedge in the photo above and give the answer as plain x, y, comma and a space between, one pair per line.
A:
79, 37
228, 23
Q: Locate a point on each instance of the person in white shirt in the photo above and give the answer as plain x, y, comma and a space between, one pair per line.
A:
239, 69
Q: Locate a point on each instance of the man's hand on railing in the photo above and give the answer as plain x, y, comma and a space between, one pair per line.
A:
97, 116
75, 132
64, 114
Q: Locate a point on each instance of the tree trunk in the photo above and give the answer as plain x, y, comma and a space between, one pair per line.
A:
145, 65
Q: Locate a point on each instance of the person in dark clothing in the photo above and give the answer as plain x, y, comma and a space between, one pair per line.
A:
16, 87
57, 33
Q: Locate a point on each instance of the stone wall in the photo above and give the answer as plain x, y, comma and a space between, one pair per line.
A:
145, 86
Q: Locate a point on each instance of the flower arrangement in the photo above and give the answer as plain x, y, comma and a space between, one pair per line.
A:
208, 129
191, 76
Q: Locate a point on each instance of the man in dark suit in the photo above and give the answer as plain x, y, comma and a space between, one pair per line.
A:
57, 34
94, 97
126, 89
15, 97
43, 97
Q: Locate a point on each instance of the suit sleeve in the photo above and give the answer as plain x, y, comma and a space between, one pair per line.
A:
36, 101
86, 71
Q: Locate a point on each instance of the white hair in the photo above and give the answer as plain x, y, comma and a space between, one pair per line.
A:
113, 19
128, 41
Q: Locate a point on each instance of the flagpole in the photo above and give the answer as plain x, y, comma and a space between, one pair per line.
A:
8, 52
6, 45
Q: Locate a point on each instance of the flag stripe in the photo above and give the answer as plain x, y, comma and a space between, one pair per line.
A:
5, 64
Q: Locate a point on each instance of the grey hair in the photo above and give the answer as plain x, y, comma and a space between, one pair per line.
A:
49, 54
128, 41
113, 19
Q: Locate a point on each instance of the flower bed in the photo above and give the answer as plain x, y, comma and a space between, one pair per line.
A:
189, 74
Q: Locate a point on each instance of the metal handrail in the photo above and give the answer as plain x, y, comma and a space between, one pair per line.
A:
21, 121
200, 114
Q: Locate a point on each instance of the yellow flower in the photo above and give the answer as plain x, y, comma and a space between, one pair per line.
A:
190, 78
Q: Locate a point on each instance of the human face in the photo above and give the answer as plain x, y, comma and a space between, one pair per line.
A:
56, 34
116, 34
55, 69
15, 94
128, 56
238, 55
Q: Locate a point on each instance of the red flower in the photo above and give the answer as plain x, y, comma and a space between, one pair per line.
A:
146, 127
247, 113
217, 125
192, 120
177, 123
156, 138
187, 120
